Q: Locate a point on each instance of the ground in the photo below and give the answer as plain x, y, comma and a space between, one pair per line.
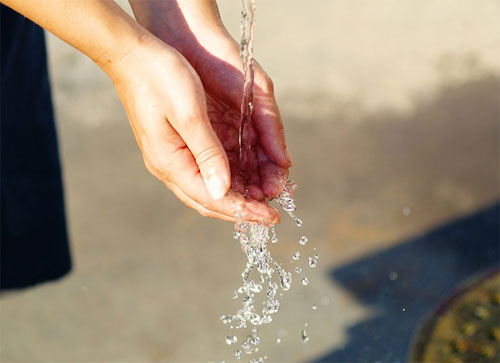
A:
391, 111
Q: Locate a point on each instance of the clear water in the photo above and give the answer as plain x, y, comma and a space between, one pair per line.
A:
264, 280
246, 54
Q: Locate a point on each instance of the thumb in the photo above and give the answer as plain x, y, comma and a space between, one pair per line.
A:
190, 119
213, 164
207, 150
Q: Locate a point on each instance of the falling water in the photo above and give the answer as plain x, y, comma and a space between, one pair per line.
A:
246, 54
263, 276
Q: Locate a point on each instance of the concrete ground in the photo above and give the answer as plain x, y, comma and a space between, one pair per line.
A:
391, 110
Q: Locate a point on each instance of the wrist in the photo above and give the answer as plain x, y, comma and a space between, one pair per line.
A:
182, 24
128, 58
123, 45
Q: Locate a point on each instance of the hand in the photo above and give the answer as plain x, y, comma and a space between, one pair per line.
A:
166, 106
194, 28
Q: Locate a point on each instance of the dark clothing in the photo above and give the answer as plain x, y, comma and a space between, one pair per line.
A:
34, 244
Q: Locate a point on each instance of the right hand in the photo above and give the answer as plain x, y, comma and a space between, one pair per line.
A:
166, 106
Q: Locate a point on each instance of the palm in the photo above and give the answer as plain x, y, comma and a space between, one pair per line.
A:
262, 175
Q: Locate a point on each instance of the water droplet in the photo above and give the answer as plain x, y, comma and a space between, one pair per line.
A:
312, 262
305, 338
296, 256
299, 222
406, 211
226, 319
253, 287
241, 226
286, 281
325, 300
231, 339
305, 281
255, 330
236, 235
303, 240
238, 354
278, 340
255, 340
235, 295
298, 269
393, 276
314, 307
404, 309
274, 238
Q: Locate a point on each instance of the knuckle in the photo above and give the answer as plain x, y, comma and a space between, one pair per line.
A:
206, 155
268, 84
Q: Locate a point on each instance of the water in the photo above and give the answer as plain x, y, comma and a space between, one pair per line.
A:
313, 262
246, 54
263, 277
231, 339
238, 354
305, 338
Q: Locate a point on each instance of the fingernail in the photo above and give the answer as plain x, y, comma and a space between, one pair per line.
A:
216, 186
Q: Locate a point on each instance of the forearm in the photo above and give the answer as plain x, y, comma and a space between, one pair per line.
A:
176, 21
98, 28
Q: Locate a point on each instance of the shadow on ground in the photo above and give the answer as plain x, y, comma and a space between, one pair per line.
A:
402, 283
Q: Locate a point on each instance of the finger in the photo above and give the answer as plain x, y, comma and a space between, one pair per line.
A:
250, 185
267, 120
173, 163
189, 118
189, 180
266, 113
274, 177
196, 206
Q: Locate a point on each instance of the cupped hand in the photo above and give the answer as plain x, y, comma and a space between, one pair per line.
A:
194, 28
167, 109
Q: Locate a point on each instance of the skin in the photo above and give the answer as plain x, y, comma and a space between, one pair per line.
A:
178, 74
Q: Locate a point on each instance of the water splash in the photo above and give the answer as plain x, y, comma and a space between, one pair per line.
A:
262, 274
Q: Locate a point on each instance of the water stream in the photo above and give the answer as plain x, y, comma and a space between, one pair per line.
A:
246, 54
263, 277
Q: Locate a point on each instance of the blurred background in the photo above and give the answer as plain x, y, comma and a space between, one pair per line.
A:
391, 111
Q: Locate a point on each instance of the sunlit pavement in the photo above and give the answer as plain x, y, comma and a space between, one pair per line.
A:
394, 133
